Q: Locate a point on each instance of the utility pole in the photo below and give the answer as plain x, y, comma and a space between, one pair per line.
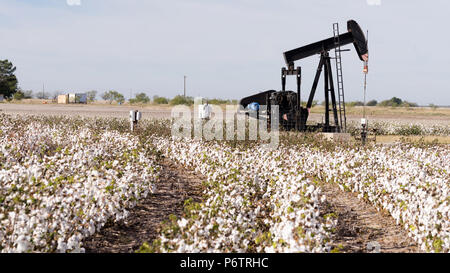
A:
366, 70
364, 120
185, 86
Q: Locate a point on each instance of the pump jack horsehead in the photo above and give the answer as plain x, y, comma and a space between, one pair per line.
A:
292, 116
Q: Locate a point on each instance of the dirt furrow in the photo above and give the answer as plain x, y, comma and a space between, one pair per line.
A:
361, 227
174, 187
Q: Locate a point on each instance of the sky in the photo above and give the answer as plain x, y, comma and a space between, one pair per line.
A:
226, 48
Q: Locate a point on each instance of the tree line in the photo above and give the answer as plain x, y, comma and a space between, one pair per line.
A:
10, 90
393, 102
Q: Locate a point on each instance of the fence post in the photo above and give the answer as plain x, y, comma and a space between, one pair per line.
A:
135, 116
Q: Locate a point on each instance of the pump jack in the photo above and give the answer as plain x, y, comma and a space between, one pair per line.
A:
292, 116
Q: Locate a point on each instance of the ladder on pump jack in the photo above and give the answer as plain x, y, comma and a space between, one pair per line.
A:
340, 78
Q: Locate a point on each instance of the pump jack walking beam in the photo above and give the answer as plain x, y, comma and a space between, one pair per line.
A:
354, 35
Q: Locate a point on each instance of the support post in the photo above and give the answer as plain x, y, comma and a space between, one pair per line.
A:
364, 131
185, 86
327, 100
298, 120
316, 81
333, 96
135, 116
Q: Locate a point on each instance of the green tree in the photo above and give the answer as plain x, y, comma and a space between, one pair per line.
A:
119, 98
354, 103
160, 100
113, 96
177, 100
108, 96
394, 102
409, 104
8, 81
432, 106
372, 103
19, 95
91, 95
219, 101
140, 98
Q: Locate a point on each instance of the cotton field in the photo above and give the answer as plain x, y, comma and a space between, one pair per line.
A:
404, 128
59, 185
278, 188
63, 179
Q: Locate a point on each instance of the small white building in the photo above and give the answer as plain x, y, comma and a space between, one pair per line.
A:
63, 99
72, 98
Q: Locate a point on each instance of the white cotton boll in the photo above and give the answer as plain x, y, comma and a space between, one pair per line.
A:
181, 249
72, 243
62, 246
269, 249
296, 198
23, 244
91, 229
182, 223
12, 215
422, 176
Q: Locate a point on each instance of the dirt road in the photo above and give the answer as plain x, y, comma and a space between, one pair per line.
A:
84, 110
164, 112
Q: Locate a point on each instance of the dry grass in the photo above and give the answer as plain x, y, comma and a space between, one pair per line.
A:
393, 111
414, 139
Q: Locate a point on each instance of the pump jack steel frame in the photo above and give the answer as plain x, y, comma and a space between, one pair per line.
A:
292, 114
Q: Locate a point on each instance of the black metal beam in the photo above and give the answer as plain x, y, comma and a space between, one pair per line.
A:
316, 48
333, 95
298, 112
327, 100
316, 82
354, 35
260, 98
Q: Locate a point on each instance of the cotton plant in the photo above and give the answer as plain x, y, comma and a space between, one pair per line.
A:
411, 183
58, 187
61, 180
254, 202
404, 128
